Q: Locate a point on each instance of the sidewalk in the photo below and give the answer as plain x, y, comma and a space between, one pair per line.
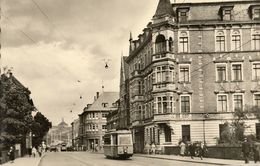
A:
25, 161
210, 161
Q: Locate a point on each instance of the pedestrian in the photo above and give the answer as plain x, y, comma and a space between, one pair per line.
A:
256, 151
182, 148
92, 146
11, 154
152, 148
246, 150
40, 150
34, 151
202, 150
192, 150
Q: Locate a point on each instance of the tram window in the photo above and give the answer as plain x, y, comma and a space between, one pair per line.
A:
114, 139
107, 140
124, 140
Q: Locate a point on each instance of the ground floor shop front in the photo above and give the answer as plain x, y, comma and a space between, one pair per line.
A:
166, 134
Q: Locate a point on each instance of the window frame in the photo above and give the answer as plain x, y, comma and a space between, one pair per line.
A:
220, 33
232, 72
185, 95
253, 77
254, 101
243, 100
227, 106
216, 72
183, 47
255, 38
233, 43
189, 74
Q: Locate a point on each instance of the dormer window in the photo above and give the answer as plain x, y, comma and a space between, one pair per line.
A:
183, 14
105, 105
257, 13
226, 13
254, 11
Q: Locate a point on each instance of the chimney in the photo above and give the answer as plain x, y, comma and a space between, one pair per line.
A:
97, 95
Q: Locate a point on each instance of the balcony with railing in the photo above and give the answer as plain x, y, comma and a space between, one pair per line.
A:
164, 86
162, 56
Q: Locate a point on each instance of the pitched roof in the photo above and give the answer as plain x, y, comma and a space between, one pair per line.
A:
105, 97
164, 8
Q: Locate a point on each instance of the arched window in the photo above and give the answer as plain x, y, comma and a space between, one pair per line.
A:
183, 42
160, 44
220, 41
170, 44
236, 41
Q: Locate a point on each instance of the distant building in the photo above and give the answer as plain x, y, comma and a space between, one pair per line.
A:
75, 133
93, 121
190, 69
113, 118
59, 134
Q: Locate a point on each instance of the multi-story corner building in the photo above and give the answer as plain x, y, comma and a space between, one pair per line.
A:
193, 65
93, 121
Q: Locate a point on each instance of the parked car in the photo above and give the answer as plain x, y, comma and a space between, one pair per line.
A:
53, 149
70, 148
63, 147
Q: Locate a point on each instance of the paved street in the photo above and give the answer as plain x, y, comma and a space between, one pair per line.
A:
91, 159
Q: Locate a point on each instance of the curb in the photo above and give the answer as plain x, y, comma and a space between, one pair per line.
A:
182, 160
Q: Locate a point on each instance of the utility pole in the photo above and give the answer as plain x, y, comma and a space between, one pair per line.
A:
0, 41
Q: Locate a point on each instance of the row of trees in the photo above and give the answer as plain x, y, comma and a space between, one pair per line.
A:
16, 119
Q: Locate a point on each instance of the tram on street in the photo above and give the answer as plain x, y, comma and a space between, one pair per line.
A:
118, 144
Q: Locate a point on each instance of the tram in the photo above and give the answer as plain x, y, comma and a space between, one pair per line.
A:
118, 144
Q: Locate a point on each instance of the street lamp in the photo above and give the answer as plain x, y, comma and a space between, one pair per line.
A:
205, 116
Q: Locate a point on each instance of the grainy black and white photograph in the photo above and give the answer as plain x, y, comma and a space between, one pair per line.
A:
129, 82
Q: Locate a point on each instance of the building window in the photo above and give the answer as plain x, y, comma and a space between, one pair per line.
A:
256, 13
222, 128
184, 75
160, 44
183, 14
185, 132
183, 43
256, 41
164, 74
236, 72
185, 104
220, 42
256, 71
257, 127
257, 100
104, 127
221, 75
227, 15
164, 105
168, 134
104, 115
159, 103
222, 103
105, 105
170, 44
236, 41
238, 102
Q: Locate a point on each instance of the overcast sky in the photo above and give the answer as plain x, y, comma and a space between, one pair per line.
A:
51, 44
